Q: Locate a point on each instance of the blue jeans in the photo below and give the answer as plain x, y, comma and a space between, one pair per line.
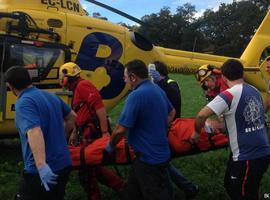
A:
179, 180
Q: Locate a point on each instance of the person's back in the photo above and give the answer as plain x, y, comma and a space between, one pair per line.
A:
50, 115
173, 92
245, 122
149, 133
42, 120
92, 123
146, 116
86, 99
160, 76
243, 111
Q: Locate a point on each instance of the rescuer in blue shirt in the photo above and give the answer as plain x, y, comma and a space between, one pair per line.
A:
40, 118
146, 116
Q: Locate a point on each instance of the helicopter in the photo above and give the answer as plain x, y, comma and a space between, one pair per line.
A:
43, 35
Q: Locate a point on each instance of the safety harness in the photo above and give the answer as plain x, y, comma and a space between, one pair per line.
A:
171, 81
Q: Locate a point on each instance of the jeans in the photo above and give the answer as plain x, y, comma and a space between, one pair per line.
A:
179, 180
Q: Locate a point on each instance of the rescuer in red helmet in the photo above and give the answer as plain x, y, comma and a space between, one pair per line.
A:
92, 123
211, 81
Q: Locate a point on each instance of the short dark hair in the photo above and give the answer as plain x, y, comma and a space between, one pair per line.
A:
138, 68
18, 77
161, 68
232, 69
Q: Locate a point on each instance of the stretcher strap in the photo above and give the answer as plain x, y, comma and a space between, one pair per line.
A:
127, 151
82, 157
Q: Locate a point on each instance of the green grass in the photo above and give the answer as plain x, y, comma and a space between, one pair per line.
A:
205, 169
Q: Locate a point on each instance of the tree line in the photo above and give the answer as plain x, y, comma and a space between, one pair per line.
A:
226, 31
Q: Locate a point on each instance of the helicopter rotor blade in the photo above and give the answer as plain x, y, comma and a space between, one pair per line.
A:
117, 12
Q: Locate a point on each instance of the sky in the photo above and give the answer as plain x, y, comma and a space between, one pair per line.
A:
139, 8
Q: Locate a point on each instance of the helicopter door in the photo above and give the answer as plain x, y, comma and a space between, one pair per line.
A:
42, 60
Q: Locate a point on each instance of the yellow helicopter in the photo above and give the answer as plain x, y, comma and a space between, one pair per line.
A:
42, 35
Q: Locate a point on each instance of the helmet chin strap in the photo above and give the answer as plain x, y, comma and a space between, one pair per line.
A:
64, 81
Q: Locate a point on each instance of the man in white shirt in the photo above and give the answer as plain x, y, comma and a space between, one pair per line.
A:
243, 111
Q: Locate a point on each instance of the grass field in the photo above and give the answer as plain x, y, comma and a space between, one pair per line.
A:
205, 169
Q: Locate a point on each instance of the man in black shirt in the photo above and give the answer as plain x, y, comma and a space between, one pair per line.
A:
172, 90
169, 86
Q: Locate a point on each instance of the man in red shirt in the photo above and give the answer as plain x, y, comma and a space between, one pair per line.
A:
92, 123
211, 81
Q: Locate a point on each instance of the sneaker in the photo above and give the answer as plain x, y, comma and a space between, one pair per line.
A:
190, 194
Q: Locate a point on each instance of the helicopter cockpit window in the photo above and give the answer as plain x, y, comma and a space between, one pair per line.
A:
265, 54
140, 41
38, 60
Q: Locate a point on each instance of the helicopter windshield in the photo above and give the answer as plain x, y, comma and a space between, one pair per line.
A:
36, 59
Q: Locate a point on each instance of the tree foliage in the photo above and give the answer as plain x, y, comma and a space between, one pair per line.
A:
226, 31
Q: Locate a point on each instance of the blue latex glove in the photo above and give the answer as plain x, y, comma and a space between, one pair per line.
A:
109, 147
155, 75
47, 176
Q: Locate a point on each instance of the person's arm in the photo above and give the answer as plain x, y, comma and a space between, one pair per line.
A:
177, 99
70, 128
200, 122
116, 136
37, 145
219, 105
173, 93
266, 103
171, 116
127, 120
216, 124
94, 100
70, 123
102, 117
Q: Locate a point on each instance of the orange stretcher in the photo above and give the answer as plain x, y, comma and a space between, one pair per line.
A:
178, 137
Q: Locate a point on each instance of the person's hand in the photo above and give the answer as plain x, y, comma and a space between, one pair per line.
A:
208, 128
73, 139
194, 137
105, 133
155, 75
108, 154
47, 176
109, 147
216, 124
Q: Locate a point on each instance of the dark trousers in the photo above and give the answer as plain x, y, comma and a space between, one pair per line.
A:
91, 176
31, 188
180, 180
148, 182
242, 178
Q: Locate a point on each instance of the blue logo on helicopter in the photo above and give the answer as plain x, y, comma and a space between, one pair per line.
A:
87, 60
